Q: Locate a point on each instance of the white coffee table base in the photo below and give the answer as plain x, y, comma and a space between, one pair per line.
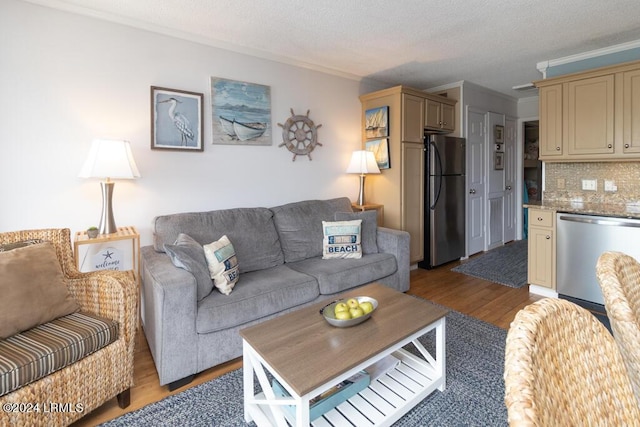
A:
381, 404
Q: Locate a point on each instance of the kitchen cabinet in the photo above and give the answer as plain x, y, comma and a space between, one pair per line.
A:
542, 248
401, 187
631, 111
439, 115
550, 102
413, 197
412, 118
589, 113
589, 116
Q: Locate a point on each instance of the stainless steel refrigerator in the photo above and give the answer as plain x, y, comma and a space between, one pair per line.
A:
444, 210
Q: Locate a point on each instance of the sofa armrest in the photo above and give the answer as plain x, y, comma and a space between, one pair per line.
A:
396, 242
110, 294
169, 310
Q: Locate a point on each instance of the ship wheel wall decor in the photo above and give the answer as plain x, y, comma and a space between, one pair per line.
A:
299, 135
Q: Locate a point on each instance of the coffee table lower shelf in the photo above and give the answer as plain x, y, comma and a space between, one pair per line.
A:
385, 401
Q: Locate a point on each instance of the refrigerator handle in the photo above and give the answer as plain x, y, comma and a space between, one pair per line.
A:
437, 174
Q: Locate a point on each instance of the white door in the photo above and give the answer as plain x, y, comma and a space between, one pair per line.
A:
476, 137
510, 177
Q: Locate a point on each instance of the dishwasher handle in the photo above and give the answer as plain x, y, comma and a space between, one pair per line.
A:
598, 221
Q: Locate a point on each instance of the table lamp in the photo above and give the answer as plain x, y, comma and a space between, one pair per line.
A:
109, 159
362, 162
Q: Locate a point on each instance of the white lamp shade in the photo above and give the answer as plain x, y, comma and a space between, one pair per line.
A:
110, 159
363, 162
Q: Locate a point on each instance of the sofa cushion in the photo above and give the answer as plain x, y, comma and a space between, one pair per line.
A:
251, 230
299, 225
32, 288
369, 231
38, 352
341, 239
223, 264
337, 275
188, 254
257, 294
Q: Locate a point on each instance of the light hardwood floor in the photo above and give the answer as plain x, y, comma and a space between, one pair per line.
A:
481, 299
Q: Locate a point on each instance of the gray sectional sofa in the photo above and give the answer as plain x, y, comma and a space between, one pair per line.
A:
279, 254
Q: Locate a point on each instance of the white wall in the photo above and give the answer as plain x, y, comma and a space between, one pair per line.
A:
66, 79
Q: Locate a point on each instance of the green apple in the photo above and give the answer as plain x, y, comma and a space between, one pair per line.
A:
366, 306
353, 303
343, 315
356, 312
340, 307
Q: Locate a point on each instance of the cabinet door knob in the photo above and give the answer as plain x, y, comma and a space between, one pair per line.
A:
547, 237
472, 191
508, 187
539, 218
557, 148
626, 145
609, 146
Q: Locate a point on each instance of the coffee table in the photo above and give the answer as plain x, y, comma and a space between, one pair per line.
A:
308, 356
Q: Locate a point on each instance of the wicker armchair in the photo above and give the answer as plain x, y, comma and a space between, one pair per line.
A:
98, 377
563, 368
619, 277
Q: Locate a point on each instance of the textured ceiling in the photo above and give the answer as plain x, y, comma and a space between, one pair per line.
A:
419, 43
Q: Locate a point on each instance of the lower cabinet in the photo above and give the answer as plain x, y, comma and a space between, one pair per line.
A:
542, 248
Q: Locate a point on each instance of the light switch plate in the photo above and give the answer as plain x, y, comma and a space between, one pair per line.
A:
590, 184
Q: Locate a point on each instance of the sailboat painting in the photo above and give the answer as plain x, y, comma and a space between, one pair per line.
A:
241, 112
376, 122
380, 150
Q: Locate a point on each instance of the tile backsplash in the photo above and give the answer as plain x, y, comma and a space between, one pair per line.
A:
563, 182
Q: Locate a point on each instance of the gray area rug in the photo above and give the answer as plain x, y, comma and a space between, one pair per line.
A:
506, 265
474, 395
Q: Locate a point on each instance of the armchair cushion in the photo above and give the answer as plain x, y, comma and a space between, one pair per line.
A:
36, 353
32, 288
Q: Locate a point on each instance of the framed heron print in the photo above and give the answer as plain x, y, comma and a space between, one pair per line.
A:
176, 119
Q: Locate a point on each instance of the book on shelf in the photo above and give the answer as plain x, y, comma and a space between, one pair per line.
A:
329, 399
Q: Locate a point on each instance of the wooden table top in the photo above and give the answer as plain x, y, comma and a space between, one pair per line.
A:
307, 352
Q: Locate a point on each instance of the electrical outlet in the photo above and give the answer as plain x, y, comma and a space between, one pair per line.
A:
590, 184
610, 185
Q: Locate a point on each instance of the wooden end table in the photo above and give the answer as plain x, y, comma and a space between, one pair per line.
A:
308, 356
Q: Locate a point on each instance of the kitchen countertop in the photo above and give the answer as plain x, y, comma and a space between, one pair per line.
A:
629, 210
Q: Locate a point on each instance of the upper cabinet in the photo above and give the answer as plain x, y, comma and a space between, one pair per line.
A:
412, 121
591, 116
439, 115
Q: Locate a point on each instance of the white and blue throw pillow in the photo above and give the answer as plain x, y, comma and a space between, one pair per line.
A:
223, 264
342, 239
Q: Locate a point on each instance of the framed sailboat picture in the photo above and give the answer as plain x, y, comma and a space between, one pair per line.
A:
376, 122
241, 112
380, 150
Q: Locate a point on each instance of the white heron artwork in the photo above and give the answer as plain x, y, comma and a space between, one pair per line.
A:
177, 120
180, 121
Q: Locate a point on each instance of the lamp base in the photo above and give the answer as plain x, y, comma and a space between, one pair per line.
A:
107, 223
361, 194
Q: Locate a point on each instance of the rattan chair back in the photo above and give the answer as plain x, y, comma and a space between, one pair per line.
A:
619, 277
563, 368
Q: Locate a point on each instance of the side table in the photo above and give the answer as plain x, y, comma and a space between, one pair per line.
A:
371, 207
123, 233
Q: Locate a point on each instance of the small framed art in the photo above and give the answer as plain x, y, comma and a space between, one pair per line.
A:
499, 134
376, 122
380, 150
176, 119
498, 161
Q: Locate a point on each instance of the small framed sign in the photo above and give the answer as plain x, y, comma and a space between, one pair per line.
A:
498, 161
499, 134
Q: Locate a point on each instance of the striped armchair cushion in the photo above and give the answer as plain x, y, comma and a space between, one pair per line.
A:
37, 352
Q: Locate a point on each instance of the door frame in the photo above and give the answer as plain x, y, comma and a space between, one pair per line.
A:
520, 175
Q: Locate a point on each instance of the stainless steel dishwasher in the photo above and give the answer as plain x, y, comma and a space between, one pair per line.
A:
581, 239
